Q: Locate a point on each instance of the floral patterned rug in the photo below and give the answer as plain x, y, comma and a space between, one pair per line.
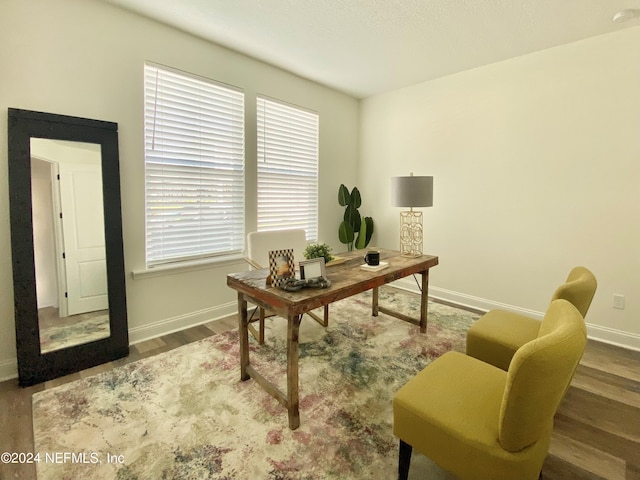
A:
184, 414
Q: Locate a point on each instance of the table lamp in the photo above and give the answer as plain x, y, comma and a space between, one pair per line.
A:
411, 192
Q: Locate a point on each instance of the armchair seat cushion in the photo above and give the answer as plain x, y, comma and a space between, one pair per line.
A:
450, 412
498, 334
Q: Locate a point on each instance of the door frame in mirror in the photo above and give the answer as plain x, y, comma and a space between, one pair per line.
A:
34, 366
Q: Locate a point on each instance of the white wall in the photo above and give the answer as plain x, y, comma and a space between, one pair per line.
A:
85, 58
536, 163
44, 251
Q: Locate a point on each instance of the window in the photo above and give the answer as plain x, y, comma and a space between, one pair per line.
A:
194, 167
287, 168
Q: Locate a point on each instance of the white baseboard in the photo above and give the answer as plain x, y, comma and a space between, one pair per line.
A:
613, 336
469, 301
595, 332
181, 322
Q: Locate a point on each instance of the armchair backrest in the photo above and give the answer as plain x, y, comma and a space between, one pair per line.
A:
579, 289
259, 244
539, 375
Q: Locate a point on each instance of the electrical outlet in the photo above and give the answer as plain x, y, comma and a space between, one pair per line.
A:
618, 301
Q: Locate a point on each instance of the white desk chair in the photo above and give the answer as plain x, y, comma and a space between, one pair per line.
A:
259, 244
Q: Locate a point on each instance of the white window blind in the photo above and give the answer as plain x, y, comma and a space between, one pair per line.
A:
287, 167
194, 167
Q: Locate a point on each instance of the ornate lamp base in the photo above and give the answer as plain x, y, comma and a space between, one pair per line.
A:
411, 233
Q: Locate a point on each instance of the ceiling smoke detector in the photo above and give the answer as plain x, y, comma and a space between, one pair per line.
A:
625, 15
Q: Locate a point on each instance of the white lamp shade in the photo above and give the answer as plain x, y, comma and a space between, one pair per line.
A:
412, 191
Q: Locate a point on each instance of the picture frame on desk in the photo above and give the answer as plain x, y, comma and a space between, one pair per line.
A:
312, 268
281, 266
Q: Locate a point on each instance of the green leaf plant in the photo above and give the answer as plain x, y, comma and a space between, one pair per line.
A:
317, 250
352, 222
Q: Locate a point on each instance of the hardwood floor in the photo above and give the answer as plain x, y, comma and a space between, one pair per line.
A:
597, 428
596, 434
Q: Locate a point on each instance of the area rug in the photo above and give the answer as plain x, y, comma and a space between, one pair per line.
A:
185, 414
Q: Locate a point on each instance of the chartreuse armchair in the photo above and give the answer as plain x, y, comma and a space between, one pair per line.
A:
496, 336
480, 422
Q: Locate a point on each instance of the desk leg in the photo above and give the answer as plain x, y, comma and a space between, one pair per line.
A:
424, 301
374, 303
243, 327
293, 330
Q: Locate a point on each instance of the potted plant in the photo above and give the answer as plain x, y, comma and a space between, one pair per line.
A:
353, 223
318, 250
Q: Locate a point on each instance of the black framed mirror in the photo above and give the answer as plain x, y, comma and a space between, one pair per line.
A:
66, 239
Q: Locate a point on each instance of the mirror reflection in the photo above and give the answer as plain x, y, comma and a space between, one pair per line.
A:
69, 243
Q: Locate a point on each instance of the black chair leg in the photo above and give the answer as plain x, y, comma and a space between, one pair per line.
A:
404, 461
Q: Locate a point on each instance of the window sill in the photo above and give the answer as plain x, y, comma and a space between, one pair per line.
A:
185, 267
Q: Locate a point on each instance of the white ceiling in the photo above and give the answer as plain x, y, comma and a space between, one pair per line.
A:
364, 47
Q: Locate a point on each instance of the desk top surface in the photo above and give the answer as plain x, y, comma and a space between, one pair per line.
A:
347, 279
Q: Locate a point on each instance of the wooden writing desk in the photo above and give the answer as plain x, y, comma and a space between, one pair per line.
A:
347, 279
